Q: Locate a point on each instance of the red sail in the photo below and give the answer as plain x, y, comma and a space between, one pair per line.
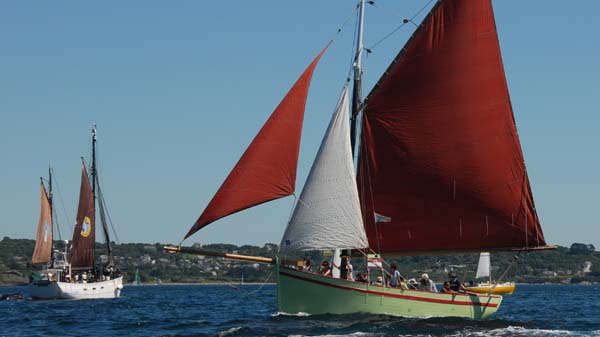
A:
440, 154
43, 241
81, 254
267, 170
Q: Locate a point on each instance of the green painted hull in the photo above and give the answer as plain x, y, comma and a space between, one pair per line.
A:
301, 292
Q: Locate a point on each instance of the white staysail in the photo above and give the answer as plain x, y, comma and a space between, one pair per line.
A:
327, 214
483, 268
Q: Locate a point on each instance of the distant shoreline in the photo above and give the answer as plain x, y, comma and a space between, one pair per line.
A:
224, 283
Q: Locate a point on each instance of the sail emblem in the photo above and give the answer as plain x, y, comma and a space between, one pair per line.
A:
86, 227
46, 231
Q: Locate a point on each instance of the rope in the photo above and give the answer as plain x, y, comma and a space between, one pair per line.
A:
248, 293
66, 215
54, 215
404, 23
103, 201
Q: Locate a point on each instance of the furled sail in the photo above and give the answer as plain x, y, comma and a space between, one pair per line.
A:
43, 241
327, 214
81, 254
440, 155
267, 170
483, 267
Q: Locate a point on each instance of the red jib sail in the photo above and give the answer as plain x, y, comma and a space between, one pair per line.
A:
267, 170
81, 254
440, 157
43, 241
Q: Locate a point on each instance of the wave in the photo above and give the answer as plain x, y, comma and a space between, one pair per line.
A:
229, 331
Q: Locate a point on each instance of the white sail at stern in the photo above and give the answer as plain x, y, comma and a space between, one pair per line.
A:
483, 268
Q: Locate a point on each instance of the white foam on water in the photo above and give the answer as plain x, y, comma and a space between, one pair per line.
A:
354, 334
228, 331
298, 314
519, 331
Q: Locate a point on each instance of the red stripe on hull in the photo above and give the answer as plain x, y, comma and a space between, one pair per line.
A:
407, 297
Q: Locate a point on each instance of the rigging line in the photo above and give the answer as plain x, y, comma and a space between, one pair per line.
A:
101, 195
341, 27
66, 215
247, 294
103, 201
354, 38
404, 23
54, 215
293, 208
262, 285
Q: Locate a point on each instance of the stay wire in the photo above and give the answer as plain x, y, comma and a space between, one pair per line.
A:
54, 213
102, 200
249, 293
66, 215
404, 23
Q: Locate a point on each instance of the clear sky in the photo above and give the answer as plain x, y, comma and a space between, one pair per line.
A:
178, 90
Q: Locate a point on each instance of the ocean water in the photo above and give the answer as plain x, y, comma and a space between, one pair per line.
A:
248, 310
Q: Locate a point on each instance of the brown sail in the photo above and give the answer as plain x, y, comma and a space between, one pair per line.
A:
43, 241
267, 170
440, 160
81, 254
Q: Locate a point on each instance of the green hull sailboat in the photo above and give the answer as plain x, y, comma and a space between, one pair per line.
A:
439, 170
300, 292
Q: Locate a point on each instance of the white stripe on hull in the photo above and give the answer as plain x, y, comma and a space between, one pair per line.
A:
77, 291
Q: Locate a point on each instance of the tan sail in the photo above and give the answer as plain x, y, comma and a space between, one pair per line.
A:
43, 241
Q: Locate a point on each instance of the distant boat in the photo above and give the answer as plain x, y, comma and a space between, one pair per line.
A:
158, 281
136, 278
488, 287
73, 273
440, 170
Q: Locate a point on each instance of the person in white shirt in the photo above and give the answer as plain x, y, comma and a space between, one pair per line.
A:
427, 284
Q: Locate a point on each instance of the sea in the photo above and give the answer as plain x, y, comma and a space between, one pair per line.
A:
251, 310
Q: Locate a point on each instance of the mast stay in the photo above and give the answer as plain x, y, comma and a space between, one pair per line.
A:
99, 197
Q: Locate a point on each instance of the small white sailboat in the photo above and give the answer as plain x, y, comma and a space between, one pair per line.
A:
488, 286
73, 273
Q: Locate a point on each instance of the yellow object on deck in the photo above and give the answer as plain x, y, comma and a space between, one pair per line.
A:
506, 288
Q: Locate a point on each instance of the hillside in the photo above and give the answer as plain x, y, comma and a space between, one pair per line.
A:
568, 265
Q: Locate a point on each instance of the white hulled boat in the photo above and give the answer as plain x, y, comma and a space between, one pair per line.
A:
73, 273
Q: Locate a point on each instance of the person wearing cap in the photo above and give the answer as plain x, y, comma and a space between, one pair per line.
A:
427, 284
455, 283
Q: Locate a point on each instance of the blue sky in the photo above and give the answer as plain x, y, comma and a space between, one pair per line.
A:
178, 89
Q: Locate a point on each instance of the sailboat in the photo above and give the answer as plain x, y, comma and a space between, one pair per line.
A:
73, 273
489, 287
136, 278
440, 170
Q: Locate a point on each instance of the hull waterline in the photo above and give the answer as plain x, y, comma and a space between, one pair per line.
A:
301, 292
76, 291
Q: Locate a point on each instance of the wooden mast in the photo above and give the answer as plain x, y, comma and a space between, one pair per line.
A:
94, 185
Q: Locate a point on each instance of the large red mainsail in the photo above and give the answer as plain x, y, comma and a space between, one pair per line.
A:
440, 158
81, 254
43, 241
267, 170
